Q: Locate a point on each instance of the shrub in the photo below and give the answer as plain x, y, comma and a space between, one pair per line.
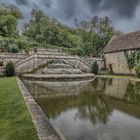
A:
95, 68
14, 49
111, 69
10, 69
138, 70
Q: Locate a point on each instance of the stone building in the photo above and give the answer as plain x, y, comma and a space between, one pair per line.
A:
122, 53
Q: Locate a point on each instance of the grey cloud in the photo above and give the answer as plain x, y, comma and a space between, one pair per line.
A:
22, 2
124, 8
120, 11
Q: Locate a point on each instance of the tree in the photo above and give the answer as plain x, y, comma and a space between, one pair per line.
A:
9, 15
45, 30
95, 34
88, 38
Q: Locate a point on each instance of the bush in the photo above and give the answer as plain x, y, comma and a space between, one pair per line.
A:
95, 68
10, 69
138, 70
111, 69
14, 49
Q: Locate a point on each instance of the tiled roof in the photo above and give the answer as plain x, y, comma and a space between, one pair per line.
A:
125, 42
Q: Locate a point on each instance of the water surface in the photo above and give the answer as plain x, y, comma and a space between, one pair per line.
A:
102, 109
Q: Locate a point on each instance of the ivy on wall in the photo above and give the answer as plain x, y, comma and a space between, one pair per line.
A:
132, 57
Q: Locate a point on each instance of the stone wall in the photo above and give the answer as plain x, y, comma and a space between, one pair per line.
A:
34, 61
27, 63
119, 63
6, 57
91, 60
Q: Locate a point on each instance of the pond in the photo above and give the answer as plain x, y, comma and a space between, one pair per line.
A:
102, 109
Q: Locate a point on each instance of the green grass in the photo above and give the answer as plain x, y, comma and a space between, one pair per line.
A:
15, 120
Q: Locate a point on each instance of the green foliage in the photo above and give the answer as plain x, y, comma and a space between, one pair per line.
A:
89, 38
95, 68
9, 16
10, 69
132, 57
14, 48
10, 10
44, 30
138, 70
13, 45
95, 34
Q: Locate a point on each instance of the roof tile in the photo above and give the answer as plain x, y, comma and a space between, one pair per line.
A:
125, 42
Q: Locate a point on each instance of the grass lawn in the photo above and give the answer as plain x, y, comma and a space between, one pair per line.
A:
15, 120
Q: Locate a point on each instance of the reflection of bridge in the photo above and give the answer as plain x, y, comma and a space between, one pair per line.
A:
86, 95
53, 89
56, 104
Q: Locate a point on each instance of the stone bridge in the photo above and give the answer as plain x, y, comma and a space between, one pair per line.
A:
35, 61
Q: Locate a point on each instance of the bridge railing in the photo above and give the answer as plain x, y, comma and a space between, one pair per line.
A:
43, 56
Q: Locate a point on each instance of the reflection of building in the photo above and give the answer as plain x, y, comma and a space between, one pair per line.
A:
57, 97
116, 88
89, 98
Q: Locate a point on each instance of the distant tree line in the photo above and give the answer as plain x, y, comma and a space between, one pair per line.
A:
88, 38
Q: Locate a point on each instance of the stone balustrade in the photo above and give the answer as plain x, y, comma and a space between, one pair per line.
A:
36, 60
28, 62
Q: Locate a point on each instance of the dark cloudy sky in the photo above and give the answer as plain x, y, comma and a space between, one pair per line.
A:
125, 14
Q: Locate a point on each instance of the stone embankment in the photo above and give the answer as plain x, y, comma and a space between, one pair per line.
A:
37, 62
43, 126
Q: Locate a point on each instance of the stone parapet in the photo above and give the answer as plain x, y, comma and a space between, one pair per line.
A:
29, 62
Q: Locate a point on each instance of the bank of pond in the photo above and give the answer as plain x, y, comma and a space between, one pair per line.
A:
103, 108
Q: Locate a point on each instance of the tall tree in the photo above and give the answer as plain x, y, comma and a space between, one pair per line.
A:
95, 34
9, 15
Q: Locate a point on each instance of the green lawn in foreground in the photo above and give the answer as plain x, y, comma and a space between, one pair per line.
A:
15, 121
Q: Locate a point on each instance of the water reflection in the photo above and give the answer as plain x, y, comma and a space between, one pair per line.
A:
132, 94
95, 106
87, 97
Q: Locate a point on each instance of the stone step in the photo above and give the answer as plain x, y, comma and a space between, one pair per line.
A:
59, 71
59, 66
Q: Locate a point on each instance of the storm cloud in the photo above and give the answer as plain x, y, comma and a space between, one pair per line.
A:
123, 13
